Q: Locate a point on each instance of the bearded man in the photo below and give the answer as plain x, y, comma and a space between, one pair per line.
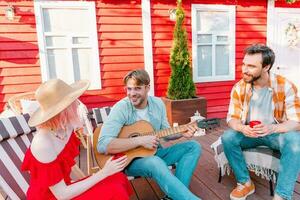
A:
272, 100
138, 105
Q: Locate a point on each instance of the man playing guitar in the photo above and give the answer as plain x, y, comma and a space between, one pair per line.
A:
139, 106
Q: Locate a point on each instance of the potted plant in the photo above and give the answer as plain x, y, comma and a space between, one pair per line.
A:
181, 101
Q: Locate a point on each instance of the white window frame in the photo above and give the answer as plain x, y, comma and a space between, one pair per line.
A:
231, 41
94, 75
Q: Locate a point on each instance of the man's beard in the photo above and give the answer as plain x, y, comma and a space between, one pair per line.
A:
253, 78
139, 101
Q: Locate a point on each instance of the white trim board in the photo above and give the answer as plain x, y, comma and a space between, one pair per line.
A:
147, 42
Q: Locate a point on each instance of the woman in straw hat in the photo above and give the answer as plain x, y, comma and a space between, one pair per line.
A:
50, 158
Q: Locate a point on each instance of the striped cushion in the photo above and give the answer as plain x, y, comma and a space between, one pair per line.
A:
101, 114
14, 126
16, 137
261, 160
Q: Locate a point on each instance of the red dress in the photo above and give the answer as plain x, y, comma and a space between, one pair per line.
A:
44, 175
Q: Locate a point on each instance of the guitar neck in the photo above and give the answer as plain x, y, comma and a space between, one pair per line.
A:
169, 131
203, 124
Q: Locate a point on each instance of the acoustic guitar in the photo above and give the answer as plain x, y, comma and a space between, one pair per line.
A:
140, 128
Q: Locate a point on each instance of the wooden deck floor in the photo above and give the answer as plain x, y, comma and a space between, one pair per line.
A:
205, 179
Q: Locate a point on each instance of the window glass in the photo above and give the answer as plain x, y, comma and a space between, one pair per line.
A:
58, 41
212, 21
66, 20
204, 55
222, 60
204, 38
82, 64
58, 65
81, 40
222, 38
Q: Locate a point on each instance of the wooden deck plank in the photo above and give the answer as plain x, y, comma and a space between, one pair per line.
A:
143, 189
134, 195
156, 188
201, 190
208, 172
297, 187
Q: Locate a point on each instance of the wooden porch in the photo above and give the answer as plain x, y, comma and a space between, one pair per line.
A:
205, 180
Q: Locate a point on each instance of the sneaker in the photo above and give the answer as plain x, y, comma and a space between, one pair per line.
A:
166, 198
242, 191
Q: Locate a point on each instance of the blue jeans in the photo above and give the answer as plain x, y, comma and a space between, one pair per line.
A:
185, 155
287, 143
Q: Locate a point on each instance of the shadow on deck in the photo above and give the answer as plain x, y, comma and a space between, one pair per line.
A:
205, 179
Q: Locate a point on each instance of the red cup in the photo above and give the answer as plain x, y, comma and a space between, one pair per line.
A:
254, 122
118, 155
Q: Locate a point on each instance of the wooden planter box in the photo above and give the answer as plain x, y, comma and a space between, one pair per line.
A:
180, 111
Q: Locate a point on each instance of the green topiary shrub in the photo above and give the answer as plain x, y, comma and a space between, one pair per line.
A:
181, 85
290, 1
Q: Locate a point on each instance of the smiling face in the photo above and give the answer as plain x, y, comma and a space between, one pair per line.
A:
137, 94
252, 67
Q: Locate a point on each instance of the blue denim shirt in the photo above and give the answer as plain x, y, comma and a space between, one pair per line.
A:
124, 113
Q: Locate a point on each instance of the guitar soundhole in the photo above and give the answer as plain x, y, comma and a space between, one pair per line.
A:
134, 135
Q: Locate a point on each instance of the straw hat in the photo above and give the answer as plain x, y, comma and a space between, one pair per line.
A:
54, 96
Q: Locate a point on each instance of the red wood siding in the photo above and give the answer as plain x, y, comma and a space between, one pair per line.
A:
19, 60
120, 40
119, 25
120, 46
251, 19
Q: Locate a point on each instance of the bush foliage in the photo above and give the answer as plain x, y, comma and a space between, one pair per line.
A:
181, 85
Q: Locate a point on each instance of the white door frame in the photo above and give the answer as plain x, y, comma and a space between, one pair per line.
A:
274, 40
271, 19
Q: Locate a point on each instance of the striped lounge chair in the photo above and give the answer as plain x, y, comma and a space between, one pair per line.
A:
261, 160
100, 114
15, 138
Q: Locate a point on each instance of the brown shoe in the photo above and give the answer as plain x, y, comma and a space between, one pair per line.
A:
242, 191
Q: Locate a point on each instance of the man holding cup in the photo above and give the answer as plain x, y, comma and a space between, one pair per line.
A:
264, 110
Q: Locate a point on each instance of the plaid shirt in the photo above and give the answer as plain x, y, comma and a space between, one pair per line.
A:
285, 102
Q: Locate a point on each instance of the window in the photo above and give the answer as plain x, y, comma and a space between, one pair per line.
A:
213, 42
68, 44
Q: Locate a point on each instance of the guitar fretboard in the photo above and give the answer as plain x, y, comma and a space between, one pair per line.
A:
169, 131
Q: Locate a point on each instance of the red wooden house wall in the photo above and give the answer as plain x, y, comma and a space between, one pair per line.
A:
19, 63
120, 39
119, 25
120, 46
